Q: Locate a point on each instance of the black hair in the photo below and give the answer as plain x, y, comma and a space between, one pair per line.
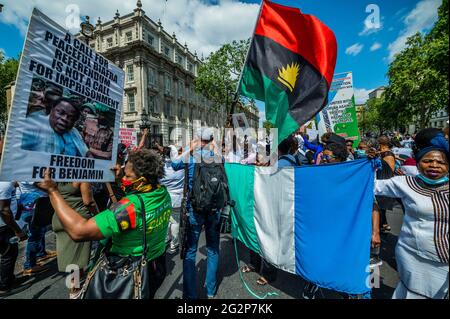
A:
384, 140
74, 102
339, 151
310, 156
147, 163
166, 151
287, 145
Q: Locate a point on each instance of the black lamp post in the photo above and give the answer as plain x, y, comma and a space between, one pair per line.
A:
87, 29
145, 124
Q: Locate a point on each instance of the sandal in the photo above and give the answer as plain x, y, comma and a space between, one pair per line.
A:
247, 268
262, 281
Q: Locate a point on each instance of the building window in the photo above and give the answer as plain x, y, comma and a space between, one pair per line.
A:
168, 84
131, 105
109, 42
179, 59
441, 123
150, 39
151, 104
168, 108
166, 51
130, 126
180, 111
129, 36
130, 73
170, 133
190, 67
151, 76
180, 88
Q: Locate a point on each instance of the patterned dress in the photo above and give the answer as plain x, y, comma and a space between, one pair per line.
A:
422, 247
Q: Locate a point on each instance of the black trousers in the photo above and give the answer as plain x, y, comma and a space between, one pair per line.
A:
8, 257
157, 273
261, 266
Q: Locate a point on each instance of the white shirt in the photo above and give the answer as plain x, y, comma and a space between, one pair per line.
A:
407, 143
402, 151
174, 181
301, 143
8, 191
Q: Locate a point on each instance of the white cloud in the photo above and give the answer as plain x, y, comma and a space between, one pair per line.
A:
203, 26
375, 46
361, 95
355, 49
420, 19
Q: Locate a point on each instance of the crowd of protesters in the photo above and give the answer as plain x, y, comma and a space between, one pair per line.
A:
89, 217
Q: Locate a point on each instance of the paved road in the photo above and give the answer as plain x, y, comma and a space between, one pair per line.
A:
51, 284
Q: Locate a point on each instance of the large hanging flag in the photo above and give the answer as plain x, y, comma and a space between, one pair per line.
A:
292, 219
289, 66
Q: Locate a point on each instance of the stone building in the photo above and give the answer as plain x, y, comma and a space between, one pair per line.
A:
159, 76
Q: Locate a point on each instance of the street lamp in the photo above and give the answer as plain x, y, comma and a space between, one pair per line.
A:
1, 7
87, 29
145, 122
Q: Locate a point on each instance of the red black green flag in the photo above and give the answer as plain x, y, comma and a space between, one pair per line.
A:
289, 66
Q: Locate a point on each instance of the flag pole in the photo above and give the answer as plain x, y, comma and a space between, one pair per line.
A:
236, 95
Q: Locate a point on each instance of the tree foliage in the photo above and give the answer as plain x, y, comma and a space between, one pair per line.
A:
8, 72
377, 115
418, 76
218, 75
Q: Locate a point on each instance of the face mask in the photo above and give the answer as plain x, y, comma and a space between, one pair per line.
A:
139, 185
126, 184
428, 181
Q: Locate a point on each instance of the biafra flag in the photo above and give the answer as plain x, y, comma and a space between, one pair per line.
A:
289, 66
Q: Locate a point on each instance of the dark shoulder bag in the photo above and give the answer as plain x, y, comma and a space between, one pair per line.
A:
115, 277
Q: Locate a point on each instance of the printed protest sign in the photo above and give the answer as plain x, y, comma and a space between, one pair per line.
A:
128, 136
66, 109
339, 116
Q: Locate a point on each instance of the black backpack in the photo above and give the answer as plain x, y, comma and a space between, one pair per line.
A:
209, 188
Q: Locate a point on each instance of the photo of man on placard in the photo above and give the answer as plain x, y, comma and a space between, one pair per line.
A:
54, 133
61, 122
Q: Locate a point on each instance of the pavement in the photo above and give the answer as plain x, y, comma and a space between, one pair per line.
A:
51, 284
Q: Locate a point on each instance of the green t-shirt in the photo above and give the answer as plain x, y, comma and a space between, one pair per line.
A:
123, 222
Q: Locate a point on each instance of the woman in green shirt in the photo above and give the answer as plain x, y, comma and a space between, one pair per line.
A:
122, 222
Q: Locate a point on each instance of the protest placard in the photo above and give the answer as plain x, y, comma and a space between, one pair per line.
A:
339, 116
128, 136
66, 109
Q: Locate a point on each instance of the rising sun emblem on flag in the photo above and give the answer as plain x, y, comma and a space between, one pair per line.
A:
288, 76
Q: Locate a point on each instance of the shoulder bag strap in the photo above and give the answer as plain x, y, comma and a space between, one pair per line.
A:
144, 225
186, 180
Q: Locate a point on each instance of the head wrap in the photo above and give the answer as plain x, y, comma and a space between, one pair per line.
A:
429, 140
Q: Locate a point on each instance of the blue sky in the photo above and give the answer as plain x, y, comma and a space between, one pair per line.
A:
205, 25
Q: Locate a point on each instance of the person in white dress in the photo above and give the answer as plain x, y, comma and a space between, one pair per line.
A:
422, 249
